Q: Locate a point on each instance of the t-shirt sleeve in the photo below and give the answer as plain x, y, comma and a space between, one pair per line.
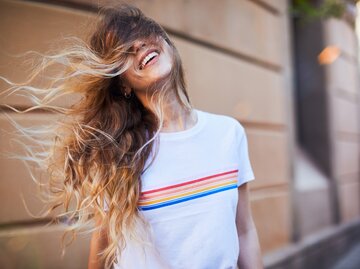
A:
245, 173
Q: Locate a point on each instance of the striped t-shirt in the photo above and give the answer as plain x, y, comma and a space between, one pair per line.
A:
189, 197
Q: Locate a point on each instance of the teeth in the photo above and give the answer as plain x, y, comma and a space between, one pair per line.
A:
147, 58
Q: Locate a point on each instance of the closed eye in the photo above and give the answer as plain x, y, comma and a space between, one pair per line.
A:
131, 50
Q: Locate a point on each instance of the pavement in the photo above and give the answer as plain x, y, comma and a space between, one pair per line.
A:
351, 260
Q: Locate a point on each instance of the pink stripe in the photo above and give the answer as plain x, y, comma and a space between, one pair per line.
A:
188, 182
185, 188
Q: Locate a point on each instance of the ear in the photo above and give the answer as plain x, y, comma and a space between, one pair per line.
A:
124, 87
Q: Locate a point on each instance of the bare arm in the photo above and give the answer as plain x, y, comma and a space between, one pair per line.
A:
98, 242
250, 253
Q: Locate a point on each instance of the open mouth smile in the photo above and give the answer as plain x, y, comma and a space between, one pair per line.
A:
149, 58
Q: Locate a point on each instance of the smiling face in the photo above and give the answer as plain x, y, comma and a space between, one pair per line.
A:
151, 61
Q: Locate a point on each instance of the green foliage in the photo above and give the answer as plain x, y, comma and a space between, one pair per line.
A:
306, 10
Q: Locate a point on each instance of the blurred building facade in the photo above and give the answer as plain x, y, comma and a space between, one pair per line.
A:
245, 58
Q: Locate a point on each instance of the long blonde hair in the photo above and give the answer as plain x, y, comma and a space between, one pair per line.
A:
96, 153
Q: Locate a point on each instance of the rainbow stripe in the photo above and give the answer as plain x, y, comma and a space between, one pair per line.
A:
188, 190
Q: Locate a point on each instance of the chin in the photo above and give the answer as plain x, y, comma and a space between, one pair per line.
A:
162, 71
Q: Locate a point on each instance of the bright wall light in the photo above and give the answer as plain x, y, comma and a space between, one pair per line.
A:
329, 54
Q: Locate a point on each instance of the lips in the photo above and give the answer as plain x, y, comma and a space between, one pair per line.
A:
141, 62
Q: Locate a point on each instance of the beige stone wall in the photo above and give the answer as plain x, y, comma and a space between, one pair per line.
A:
24, 241
343, 89
236, 56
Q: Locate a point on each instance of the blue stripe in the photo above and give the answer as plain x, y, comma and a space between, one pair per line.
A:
183, 199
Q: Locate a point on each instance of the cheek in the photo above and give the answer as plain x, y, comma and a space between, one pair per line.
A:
170, 57
135, 82
130, 78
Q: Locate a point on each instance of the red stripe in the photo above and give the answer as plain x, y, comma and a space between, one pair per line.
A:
188, 182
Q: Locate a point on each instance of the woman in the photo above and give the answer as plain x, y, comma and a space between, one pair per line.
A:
165, 183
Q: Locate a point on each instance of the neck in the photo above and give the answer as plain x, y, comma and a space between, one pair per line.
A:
176, 116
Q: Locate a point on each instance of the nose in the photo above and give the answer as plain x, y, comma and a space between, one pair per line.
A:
138, 45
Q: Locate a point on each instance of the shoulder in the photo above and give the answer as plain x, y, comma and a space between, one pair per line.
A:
225, 122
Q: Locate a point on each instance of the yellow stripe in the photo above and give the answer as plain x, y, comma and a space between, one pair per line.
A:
188, 193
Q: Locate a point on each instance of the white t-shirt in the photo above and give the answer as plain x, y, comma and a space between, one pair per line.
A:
189, 197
